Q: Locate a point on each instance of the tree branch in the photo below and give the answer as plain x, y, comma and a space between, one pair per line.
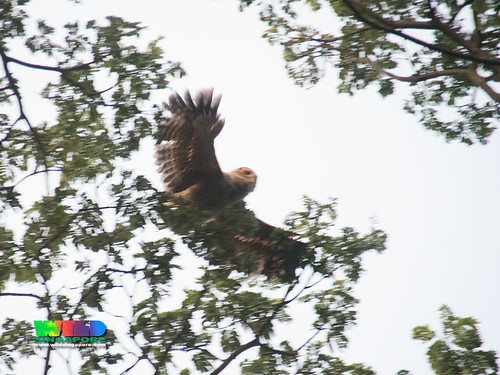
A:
415, 77
181, 332
481, 82
476, 79
391, 27
284, 353
133, 364
7, 294
470, 73
278, 307
9, 130
237, 352
22, 114
47, 361
310, 338
337, 38
452, 19
258, 333
49, 68
29, 175
452, 34
84, 90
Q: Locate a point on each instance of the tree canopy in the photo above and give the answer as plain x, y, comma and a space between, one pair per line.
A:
83, 234
446, 52
458, 352
70, 248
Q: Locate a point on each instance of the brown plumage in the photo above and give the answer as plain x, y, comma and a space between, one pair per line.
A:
187, 161
192, 175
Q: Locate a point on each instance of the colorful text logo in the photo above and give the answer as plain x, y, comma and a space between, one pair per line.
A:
69, 328
74, 331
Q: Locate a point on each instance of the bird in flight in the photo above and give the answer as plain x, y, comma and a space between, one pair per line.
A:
193, 178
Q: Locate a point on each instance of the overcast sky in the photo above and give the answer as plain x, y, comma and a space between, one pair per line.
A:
439, 203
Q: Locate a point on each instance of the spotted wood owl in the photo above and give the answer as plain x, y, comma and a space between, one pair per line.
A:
192, 176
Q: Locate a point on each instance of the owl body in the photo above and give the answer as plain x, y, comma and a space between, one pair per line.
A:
232, 187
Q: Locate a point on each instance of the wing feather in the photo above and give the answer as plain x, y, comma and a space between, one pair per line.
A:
187, 156
253, 246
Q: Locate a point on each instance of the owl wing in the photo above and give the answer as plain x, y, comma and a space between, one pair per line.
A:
234, 238
188, 156
253, 246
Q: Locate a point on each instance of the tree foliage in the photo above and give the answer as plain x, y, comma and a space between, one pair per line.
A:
459, 350
83, 233
446, 51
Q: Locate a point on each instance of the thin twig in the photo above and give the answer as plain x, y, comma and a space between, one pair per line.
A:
181, 332
310, 339
47, 361
8, 294
29, 175
452, 19
84, 66
22, 113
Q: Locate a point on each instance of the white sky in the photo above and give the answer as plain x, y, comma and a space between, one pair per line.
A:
439, 203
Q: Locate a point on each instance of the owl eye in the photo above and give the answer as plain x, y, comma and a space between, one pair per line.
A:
246, 172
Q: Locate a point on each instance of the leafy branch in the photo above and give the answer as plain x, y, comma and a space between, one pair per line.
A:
393, 27
377, 45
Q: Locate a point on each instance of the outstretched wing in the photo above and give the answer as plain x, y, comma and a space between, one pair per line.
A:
188, 156
253, 246
234, 238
